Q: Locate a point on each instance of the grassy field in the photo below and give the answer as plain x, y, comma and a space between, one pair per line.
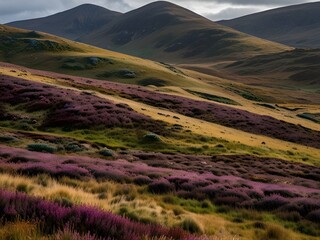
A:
171, 154
166, 143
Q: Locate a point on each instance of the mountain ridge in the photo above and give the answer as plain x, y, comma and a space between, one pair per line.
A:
76, 21
297, 25
164, 31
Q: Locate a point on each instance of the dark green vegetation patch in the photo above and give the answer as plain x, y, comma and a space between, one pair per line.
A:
214, 98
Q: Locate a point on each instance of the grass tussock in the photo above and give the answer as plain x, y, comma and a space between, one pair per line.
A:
274, 232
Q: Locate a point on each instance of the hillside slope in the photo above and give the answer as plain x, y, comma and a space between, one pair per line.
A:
160, 31
48, 52
297, 26
293, 69
70, 24
165, 31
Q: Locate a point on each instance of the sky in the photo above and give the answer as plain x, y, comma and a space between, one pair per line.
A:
13, 10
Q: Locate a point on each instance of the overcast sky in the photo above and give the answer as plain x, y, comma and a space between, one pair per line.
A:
12, 10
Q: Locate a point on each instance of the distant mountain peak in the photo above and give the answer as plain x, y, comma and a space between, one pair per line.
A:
72, 23
162, 4
295, 25
160, 30
89, 6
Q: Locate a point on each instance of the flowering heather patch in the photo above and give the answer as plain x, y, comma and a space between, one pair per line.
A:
250, 167
52, 216
208, 111
226, 189
69, 108
33, 163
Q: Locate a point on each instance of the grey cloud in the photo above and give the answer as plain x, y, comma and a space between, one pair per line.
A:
230, 13
12, 10
260, 2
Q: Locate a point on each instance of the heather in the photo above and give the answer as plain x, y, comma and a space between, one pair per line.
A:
53, 217
227, 188
69, 108
76, 165
205, 110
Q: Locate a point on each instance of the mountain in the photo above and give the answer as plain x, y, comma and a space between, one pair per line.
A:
297, 25
72, 23
161, 31
165, 31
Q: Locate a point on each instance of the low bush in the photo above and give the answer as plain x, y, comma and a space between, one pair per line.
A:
191, 226
6, 139
161, 187
106, 152
37, 147
274, 232
22, 187
74, 147
151, 138
142, 180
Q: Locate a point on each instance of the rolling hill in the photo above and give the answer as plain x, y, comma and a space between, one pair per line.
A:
297, 25
298, 68
100, 145
71, 24
167, 32
48, 52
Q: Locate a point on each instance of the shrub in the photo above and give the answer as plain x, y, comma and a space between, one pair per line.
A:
161, 186
142, 180
64, 201
177, 211
22, 187
106, 152
170, 200
8, 139
37, 147
151, 138
274, 232
191, 226
206, 204
272, 202
74, 147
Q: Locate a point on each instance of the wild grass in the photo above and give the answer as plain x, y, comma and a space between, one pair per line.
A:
20, 230
69, 192
131, 201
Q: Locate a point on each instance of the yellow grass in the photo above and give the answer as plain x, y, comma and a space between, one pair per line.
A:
199, 126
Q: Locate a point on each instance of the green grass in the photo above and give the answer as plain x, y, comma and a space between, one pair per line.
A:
246, 94
177, 141
173, 139
213, 97
195, 206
